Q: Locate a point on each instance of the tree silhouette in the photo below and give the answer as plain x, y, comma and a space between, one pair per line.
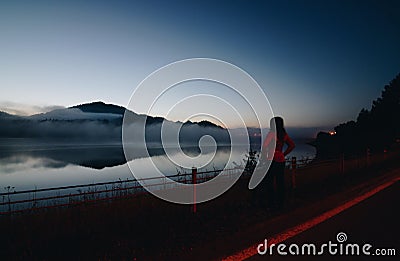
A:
375, 129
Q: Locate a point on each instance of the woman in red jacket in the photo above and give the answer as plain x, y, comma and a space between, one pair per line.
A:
279, 137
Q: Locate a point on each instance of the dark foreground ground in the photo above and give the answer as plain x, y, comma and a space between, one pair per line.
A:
373, 221
146, 228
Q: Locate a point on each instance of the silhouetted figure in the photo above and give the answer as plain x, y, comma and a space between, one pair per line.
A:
278, 136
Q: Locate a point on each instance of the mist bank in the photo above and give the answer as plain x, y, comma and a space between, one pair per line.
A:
102, 123
103, 131
110, 130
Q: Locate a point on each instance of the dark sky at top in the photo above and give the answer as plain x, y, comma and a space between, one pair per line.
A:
319, 62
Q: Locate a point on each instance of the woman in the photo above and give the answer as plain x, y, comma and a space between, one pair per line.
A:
279, 137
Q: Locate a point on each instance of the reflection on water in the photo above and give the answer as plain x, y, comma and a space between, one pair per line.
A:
30, 165
27, 164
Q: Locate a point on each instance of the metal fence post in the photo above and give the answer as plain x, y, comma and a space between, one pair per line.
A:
194, 181
293, 172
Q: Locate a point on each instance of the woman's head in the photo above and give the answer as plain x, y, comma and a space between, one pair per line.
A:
276, 124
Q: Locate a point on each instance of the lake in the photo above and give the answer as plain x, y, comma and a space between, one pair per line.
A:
30, 164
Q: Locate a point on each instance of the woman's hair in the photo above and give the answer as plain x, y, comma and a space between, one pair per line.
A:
276, 124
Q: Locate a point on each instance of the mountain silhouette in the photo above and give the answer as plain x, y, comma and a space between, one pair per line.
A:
100, 107
99, 122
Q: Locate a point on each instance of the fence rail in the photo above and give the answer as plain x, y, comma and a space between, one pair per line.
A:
27, 200
79, 194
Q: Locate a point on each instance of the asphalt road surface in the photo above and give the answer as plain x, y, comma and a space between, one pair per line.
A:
374, 221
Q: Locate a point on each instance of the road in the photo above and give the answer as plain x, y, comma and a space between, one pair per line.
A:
375, 221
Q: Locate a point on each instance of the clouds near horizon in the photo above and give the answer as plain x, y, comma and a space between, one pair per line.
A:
21, 109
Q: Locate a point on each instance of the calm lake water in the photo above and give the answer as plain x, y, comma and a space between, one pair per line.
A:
28, 164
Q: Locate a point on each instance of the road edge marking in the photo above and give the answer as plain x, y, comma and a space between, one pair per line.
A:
291, 232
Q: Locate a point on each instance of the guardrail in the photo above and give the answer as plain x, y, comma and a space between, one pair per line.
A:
26, 200
298, 172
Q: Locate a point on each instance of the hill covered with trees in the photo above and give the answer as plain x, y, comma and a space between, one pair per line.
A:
376, 129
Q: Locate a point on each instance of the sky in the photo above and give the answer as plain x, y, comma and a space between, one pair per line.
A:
318, 62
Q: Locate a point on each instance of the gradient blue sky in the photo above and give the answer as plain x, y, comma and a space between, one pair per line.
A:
319, 62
